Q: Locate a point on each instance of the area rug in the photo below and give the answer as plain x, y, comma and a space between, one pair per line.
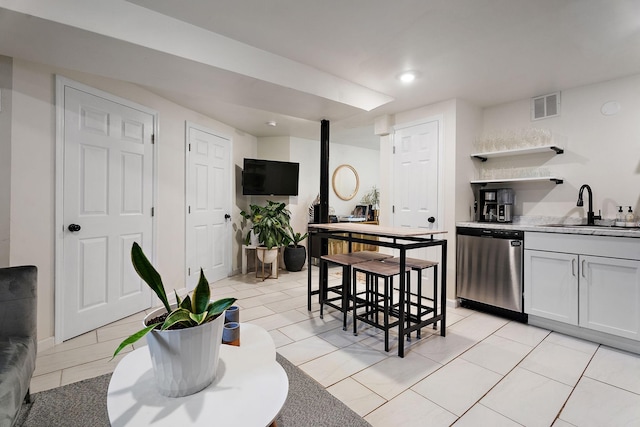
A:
84, 404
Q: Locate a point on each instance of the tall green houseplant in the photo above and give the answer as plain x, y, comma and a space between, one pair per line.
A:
270, 223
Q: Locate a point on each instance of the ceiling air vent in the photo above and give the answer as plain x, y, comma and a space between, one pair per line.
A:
545, 106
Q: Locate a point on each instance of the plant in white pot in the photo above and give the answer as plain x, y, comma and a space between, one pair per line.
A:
270, 224
184, 338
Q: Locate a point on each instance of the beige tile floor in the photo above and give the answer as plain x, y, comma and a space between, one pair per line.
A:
487, 371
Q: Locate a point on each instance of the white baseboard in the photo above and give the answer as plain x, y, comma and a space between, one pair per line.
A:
46, 344
587, 334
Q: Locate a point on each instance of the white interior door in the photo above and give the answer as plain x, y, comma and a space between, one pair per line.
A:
208, 205
107, 197
416, 198
416, 169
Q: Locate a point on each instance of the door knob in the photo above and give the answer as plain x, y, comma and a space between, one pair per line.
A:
227, 216
431, 219
74, 227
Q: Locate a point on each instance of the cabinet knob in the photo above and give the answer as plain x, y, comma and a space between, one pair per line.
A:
431, 219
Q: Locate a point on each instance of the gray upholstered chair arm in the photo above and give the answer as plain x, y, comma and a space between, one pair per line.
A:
18, 289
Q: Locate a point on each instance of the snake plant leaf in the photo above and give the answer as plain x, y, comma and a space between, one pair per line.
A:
201, 295
133, 338
186, 302
179, 315
216, 307
149, 274
199, 318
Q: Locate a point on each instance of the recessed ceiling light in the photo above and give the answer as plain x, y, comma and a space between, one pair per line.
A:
272, 123
407, 76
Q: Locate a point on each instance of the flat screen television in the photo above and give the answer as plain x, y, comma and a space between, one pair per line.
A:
270, 178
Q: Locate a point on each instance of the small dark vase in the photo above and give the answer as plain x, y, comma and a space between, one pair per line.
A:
294, 257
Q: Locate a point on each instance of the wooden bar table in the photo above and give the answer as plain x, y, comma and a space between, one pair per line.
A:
400, 238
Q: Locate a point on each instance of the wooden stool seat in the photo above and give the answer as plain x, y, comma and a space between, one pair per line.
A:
370, 255
380, 268
414, 263
343, 259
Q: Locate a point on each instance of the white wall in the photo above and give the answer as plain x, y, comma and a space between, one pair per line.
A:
365, 161
32, 176
307, 153
6, 84
469, 125
602, 151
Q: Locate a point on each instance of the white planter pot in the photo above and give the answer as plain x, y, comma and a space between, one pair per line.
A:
185, 361
267, 256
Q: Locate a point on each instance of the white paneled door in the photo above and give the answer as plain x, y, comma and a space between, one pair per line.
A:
416, 176
107, 192
208, 205
416, 197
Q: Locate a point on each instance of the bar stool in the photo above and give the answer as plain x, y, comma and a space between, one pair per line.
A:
418, 265
375, 270
342, 290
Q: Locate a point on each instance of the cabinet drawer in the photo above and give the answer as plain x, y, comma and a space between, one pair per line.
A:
606, 246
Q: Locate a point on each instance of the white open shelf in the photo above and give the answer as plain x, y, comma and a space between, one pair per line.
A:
519, 152
532, 179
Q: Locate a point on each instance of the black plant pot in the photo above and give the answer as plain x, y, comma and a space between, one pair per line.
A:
294, 257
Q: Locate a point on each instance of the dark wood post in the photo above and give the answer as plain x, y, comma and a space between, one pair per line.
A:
324, 171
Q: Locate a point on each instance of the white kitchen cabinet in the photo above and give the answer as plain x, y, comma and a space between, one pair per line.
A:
610, 295
579, 280
551, 285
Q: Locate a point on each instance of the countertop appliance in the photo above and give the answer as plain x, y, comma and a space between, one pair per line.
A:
489, 270
488, 206
506, 198
496, 205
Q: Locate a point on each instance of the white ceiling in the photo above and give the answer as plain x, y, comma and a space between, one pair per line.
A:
297, 62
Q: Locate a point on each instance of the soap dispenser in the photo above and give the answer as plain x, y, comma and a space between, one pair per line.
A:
621, 218
630, 219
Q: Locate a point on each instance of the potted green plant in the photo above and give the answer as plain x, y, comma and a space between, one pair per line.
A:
372, 198
184, 338
294, 254
270, 224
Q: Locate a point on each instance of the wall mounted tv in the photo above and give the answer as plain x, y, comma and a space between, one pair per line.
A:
269, 178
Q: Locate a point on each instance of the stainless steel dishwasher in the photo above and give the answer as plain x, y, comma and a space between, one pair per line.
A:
489, 270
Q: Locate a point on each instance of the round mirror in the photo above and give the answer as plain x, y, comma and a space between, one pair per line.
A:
345, 182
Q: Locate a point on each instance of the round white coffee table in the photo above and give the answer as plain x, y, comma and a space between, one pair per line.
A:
249, 390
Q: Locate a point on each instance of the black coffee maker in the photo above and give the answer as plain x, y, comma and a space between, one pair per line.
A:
495, 205
487, 206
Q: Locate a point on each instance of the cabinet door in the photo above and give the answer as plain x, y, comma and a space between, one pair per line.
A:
610, 295
551, 285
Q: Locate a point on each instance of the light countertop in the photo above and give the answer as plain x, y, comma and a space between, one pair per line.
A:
540, 226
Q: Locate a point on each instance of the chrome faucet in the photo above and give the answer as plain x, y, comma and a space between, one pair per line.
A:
590, 214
